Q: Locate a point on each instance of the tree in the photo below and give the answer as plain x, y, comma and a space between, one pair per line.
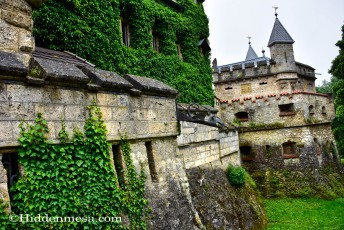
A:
326, 87
337, 70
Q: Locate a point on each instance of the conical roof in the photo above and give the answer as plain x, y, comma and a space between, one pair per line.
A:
279, 34
250, 53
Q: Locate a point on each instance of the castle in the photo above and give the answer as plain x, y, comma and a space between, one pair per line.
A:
182, 148
274, 102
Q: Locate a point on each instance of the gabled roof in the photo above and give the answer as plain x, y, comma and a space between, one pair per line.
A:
279, 34
251, 54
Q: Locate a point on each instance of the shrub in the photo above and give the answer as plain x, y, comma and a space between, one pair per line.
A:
236, 175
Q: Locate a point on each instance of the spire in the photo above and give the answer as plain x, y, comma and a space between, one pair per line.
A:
251, 54
279, 34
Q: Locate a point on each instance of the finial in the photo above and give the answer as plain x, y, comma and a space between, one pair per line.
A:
275, 7
263, 51
249, 39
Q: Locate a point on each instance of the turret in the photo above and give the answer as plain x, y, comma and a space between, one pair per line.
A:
281, 48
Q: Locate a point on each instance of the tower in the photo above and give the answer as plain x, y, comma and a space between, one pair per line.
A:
281, 47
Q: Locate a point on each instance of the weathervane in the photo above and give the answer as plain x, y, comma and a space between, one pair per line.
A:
275, 7
249, 39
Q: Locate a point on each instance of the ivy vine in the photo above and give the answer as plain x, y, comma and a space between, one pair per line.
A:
91, 29
75, 179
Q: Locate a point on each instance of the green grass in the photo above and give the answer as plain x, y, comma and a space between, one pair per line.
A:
305, 214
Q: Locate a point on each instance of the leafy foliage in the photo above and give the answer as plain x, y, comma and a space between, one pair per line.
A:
236, 175
75, 178
91, 29
337, 70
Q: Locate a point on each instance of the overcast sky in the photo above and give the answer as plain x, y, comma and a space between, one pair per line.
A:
314, 25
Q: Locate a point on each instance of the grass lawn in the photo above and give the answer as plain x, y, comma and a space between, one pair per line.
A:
305, 213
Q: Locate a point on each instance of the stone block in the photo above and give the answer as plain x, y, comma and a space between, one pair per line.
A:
112, 128
17, 5
21, 93
17, 111
26, 41
120, 114
152, 115
51, 112
75, 113
6, 128
17, 19
8, 37
106, 112
71, 97
123, 100
107, 99
142, 128
157, 127
142, 114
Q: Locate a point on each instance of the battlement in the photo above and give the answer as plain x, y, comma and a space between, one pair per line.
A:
263, 68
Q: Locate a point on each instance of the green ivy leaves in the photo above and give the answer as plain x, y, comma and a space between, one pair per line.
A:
75, 178
91, 29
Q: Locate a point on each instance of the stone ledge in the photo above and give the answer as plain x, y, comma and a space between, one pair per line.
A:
11, 64
151, 86
58, 71
106, 79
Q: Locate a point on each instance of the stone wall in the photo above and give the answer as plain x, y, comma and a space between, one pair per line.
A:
199, 144
264, 108
263, 85
136, 117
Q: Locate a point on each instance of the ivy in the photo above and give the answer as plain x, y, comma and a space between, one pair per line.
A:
75, 179
91, 29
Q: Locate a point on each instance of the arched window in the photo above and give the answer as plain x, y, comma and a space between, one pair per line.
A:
323, 110
311, 109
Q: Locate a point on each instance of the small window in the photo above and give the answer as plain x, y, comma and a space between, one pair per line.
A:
10, 163
125, 32
311, 109
286, 109
156, 42
246, 153
119, 164
151, 161
228, 88
242, 116
263, 83
289, 150
323, 110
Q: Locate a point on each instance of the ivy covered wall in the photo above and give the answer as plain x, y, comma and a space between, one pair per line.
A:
92, 30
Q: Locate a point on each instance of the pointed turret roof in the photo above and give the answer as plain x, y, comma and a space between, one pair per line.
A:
251, 54
279, 34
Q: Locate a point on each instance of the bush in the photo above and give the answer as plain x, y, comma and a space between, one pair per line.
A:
236, 175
